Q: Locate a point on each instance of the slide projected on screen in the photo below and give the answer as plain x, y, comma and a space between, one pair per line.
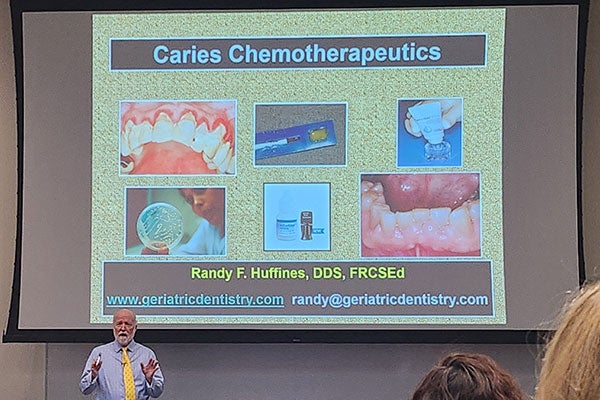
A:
269, 168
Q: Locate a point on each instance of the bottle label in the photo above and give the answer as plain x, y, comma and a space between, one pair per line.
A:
286, 229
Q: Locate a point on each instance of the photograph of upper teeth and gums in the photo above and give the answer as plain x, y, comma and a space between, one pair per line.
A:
177, 137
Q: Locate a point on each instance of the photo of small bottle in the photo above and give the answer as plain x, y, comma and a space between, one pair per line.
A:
306, 224
297, 216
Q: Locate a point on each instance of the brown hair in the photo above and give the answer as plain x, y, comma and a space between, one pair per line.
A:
571, 364
468, 377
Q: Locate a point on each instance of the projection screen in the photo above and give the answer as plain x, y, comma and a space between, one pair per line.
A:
357, 174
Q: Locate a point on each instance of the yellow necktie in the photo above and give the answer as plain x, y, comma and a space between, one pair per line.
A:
128, 376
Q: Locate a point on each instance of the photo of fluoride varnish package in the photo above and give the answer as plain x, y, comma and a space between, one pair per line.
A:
294, 139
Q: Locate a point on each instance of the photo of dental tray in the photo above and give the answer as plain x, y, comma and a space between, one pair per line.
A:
294, 139
300, 134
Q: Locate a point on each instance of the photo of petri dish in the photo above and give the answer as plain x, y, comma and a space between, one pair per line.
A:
160, 225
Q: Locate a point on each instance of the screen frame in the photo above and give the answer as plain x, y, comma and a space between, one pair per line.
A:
475, 336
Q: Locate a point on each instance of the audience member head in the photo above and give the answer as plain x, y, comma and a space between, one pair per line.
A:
571, 364
462, 376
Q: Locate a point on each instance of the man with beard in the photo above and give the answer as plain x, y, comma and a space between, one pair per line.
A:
122, 369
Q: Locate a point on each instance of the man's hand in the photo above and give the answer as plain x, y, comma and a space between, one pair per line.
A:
96, 364
160, 252
451, 114
149, 369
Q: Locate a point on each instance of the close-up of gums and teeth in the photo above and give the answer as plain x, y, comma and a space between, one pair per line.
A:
177, 138
420, 215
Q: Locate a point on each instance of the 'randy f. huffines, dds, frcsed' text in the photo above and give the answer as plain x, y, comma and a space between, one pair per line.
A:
326, 272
